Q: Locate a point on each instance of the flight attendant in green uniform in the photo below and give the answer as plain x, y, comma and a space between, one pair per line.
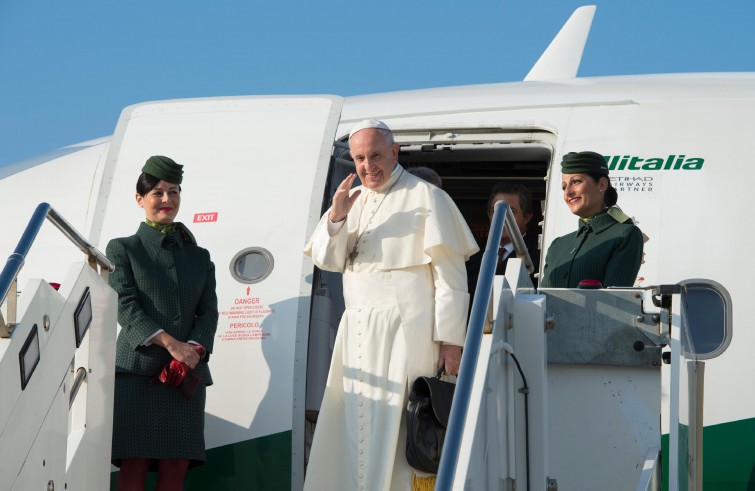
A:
167, 310
606, 246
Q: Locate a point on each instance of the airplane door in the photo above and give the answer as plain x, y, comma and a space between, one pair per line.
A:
254, 175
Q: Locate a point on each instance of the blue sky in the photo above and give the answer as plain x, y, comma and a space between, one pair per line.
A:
69, 68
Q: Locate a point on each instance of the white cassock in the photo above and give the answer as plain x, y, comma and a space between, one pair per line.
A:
405, 292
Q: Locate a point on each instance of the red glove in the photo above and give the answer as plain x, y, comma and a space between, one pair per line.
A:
174, 372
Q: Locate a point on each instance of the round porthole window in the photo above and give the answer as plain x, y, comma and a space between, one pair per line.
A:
252, 265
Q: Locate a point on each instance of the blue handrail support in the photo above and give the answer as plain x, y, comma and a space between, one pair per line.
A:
16, 260
479, 321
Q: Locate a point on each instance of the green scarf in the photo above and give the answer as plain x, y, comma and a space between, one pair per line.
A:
166, 228
615, 213
163, 228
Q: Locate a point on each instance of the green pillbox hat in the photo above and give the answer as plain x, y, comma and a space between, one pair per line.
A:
584, 163
164, 169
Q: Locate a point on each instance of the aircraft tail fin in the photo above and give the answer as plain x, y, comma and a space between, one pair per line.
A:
562, 57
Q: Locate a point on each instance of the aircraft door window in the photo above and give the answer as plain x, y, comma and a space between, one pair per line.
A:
252, 265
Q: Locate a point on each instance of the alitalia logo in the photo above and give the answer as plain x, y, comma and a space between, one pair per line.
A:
672, 162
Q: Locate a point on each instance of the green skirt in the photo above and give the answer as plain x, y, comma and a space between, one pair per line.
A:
156, 422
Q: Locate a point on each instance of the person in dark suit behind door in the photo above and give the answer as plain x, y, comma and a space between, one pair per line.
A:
519, 199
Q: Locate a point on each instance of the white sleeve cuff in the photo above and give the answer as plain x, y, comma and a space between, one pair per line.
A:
335, 227
148, 341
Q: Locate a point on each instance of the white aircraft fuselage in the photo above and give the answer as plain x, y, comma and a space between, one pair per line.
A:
259, 173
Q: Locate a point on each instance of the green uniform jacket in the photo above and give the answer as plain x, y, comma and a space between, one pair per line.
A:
602, 249
163, 282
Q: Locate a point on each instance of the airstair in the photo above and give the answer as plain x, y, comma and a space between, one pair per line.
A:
57, 370
560, 389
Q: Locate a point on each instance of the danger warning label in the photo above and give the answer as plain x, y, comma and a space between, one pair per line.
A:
243, 319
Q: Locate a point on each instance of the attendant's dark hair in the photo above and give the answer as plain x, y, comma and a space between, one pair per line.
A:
610, 195
146, 183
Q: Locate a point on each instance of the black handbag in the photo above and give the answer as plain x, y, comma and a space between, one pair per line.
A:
426, 420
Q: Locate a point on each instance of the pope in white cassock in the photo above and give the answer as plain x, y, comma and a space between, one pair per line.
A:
401, 244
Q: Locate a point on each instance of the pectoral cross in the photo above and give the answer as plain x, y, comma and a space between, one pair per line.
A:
353, 255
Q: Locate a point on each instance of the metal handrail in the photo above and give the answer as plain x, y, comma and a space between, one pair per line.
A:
81, 376
18, 258
520, 248
480, 305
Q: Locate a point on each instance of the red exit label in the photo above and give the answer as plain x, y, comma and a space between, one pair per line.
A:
206, 217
